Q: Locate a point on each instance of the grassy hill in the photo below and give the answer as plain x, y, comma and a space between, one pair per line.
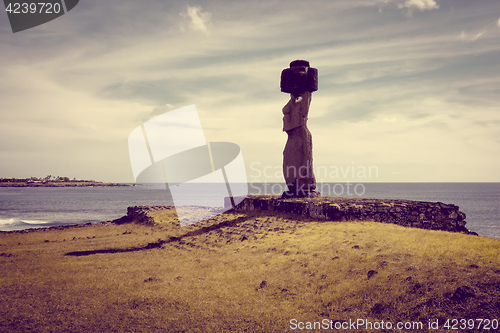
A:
245, 273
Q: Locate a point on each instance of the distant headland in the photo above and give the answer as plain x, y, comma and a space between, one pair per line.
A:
50, 181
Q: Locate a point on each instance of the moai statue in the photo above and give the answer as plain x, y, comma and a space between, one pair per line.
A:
299, 81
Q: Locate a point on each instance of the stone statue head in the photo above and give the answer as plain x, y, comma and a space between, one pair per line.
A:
299, 78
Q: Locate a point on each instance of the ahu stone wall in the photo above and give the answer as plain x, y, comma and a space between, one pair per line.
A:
416, 214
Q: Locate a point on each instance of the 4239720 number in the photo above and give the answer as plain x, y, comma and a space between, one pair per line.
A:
463, 324
33, 7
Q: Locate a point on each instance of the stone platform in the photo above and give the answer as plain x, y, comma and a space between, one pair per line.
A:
416, 214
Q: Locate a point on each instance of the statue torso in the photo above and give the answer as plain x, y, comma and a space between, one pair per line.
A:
296, 110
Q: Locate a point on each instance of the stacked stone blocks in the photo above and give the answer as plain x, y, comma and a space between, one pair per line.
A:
416, 214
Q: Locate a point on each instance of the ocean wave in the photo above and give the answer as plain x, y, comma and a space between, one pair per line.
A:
14, 223
7, 221
15, 220
35, 221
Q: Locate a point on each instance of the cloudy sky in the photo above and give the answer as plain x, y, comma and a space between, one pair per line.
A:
411, 87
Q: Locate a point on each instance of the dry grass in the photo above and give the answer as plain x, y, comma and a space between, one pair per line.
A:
242, 273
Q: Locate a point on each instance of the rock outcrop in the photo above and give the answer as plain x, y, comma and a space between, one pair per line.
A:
140, 214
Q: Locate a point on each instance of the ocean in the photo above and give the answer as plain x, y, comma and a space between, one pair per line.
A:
38, 207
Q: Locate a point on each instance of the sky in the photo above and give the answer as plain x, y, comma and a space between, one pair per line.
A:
409, 90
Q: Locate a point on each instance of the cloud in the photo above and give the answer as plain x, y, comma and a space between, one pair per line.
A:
390, 120
199, 19
471, 37
498, 23
419, 5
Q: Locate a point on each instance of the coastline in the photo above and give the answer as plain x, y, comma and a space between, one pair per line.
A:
407, 213
58, 227
478, 201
